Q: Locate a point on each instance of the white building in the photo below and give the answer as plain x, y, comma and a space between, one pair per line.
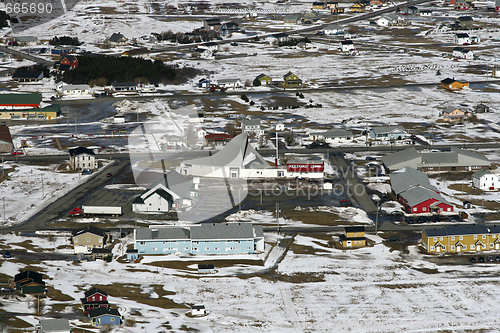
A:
485, 180
347, 46
333, 29
252, 126
338, 136
53, 326
462, 39
198, 310
161, 198
391, 19
229, 83
461, 53
64, 89
82, 158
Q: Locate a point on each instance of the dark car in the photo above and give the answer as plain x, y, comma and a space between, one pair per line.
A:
345, 203
481, 259
109, 175
497, 258
490, 258
472, 259
234, 44
7, 254
370, 158
5, 289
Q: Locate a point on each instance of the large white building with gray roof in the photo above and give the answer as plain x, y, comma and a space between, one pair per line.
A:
456, 159
205, 238
388, 133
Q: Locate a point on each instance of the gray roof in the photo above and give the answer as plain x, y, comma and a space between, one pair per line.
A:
439, 158
417, 195
116, 37
222, 231
161, 233
250, 122
292, 17
435, 232
451, 108
179, 184
224, 81
408, 157
54, 325
471, 157
407, 178
26, 39
466, 229
388, 129
337, 132
333, 26
391, 16
480, 173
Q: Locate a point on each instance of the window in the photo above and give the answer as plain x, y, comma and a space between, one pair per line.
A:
217, 248
112, 318
491, 245
435, 239
142, 243
475, 236
195, 249
432, 248
473, 247
461, 237
452, 238
424, 209
76, 240
440, 238
207, 249
186, 248
493, 236
464, 247
484, 236
88, 240
155, 249
453, 247
414, 209
248, 248
443, 247
449, 209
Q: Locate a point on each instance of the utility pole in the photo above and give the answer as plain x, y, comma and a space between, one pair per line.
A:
376, 219
4, 218
278, 216
276, 162
43, 195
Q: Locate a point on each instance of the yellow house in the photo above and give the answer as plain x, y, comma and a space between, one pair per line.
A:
264, 79
454, 115
292, 80
461, 238
319, 5
453, 85
84, 240
353, 237
358, 8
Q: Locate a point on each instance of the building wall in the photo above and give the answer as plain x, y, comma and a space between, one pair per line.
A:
196, 246
472, 243
106, 320
489, 182
152, 205
87, 241
83, 161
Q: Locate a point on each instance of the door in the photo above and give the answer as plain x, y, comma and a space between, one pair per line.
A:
459, 248
438, 248
497, 246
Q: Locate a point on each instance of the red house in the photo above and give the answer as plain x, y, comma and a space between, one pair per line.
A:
94, 298
423, 200
68, 62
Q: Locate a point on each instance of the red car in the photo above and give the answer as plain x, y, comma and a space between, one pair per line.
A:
345, 203
17, 152
76, 212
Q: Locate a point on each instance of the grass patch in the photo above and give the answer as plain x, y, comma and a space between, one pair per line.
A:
217, 263
57, 295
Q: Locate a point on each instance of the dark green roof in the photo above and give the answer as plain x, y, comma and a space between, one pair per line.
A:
20, 98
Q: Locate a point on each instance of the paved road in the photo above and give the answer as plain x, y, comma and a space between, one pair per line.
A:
27, 56
67, 202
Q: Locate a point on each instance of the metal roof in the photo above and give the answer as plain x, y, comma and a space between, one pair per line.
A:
416, 195
388, 129
435, 232
439, 158
337, 132
162, 233
407, 178
222, 231
408, 157
55, 325
97, 312
480, 173
466, 229
10, 99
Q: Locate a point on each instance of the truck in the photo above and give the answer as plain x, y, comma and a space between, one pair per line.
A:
96, 210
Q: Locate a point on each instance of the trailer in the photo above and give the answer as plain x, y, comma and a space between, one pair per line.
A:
102, 210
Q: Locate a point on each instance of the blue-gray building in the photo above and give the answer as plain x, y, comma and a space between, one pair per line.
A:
104, 316
206, 238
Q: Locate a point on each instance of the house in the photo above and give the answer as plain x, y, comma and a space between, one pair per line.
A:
252, 127
391, 19
229, 83
426, 12
68, 62
175, 192
103, 254
6, 144
18, 101
453, 85
292, 19
292, 80
467, 205
212, 24
27, 76
486, 180
53, 326
310, 17
465, 22
275, 39
94, 298
461, 5
26, 40
461, 53
217, 138
388, 133
461, 238
462, 39
229, 28
204, 83
205, 238
358, 8
64, 89
264, 79
414, 192
347, 46
125, 86
206, 269
319, 5
86, 239
117, 39
333, 136
454, 160
198, 310
82, 158
29, 282
211, 46
142, 53
482, 108
132, 254
454, 115
410, 10
104, 316
333, 29
353, 237
202, 53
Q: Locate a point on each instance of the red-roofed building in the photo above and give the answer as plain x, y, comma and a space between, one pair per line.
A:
216, 138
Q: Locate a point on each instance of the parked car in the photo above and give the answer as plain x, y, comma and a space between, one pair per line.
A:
7, 254
397, 213
497, 258
77, 211
109, 175
490, 258
481, 259
87, 172
370, 158
17, 152
5, 289
472, 259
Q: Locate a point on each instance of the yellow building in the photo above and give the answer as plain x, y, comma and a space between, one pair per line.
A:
353, 237
454, 115
461, 238
46, 113
84, 240
358, 8
452, 84
292, 80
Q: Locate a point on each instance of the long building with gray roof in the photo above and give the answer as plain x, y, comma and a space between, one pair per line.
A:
205, 238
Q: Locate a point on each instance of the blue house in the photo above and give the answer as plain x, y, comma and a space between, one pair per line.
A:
205, 238
62, 50
388, 133
104, 316
132, 254
204, 83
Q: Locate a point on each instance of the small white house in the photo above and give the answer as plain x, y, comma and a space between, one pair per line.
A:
333, 29
277, 38
212, 46
64, 89
198, 310
462, 39
280, 127
485, 180
390, 19
338, 136
347, 46
230, 83
426, 12
461, 53
249, 126
201, 132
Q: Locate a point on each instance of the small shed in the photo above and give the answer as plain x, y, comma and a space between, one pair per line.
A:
132, 254
468, 205
198, 310
206, 269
